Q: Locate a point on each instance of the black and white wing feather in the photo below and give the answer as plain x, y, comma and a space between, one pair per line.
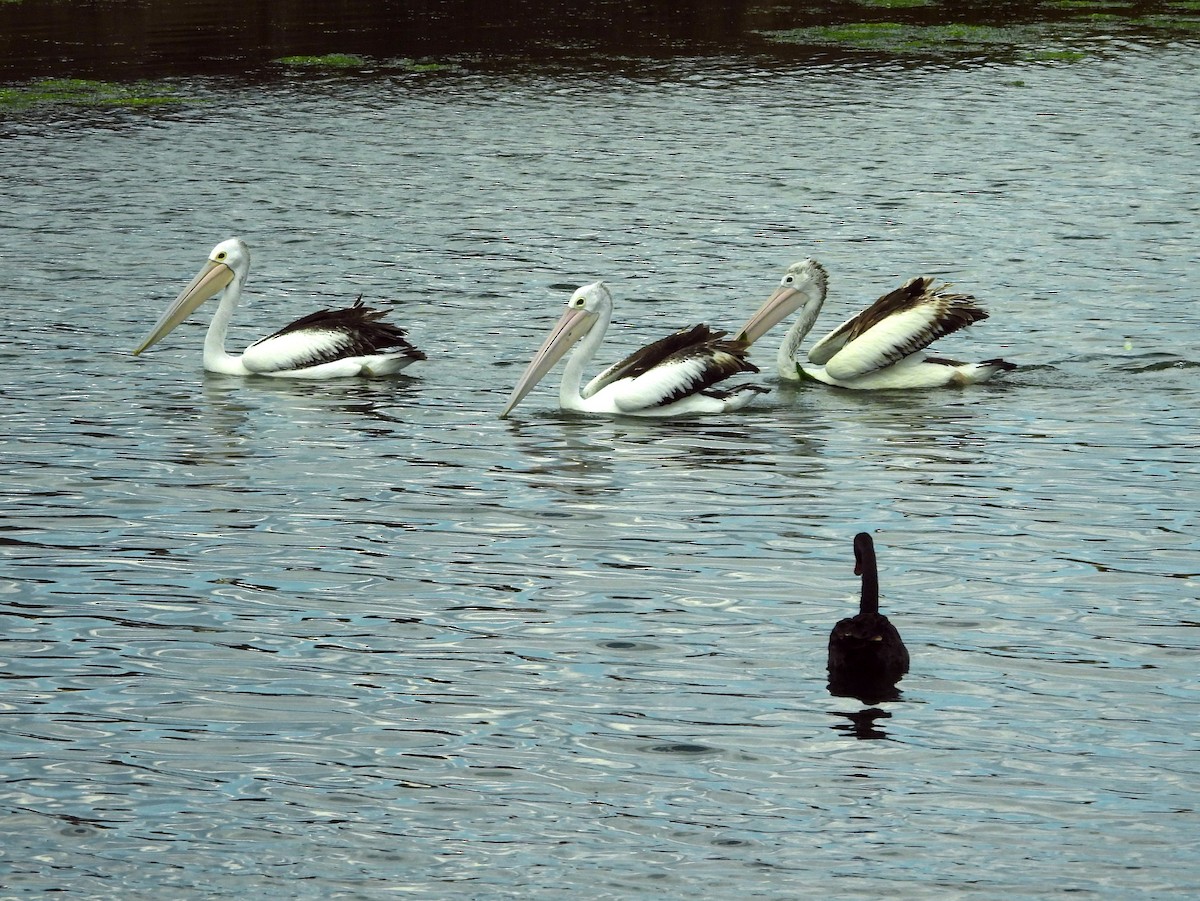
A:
327, 336
691, 370
895, 326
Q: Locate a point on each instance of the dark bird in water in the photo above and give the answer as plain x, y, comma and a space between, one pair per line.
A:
867, 657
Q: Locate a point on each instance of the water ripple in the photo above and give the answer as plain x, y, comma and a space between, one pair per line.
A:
325, 640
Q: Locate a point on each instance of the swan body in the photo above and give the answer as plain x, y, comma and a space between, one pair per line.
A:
323, 345
879, 348
867, 656
675, 376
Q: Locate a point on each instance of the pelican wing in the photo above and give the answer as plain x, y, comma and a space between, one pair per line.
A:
692, 370
904, 297
900, 323
645, 359
327, 336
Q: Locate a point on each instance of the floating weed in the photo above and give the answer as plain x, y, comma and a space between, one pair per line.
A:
1031, 41
414, 66
1087, 4
354, 61
88, 93
1178, 17
1171, 23
869, 35
898, 38
1054, 56
971, 34
895, 4
328, 61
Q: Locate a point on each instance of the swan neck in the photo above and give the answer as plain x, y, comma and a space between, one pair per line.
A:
870, 586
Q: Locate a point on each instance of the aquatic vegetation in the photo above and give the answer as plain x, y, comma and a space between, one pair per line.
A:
88, 93
328, 61
414, 66
858, 34
354, 61
1087, 4
1054, 56
1172, 24
895, 4
896, 37
1054, 41
1059, 31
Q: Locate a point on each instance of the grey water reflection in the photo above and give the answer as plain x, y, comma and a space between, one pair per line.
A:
365, 638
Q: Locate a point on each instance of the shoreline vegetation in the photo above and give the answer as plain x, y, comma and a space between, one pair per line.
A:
94, 59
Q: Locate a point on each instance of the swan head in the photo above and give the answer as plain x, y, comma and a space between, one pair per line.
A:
864, 553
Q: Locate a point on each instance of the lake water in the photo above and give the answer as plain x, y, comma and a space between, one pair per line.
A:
365, 639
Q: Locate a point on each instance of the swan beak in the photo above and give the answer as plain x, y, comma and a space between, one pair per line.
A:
573, 325
785, 301
210, 280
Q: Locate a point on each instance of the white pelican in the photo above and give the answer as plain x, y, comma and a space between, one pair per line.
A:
323, 345
881, 346
671, 377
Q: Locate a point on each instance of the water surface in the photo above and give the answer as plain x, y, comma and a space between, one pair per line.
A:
365, 639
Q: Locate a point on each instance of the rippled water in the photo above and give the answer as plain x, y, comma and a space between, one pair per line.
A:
366, 639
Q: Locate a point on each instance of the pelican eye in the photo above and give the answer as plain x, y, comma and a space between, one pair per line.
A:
222, 255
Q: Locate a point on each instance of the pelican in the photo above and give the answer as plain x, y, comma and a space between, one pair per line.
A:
323, 345
881, 346
673, 376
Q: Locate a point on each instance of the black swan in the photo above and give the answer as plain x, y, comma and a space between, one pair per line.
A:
867, 657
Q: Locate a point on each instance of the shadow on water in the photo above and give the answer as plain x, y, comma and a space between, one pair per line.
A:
862, 724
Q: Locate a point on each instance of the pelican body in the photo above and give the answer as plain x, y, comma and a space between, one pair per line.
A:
867, 656
323, 345
879, 348
674, 376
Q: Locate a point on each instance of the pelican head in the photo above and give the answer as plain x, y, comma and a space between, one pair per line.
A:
804, 285
585, 308
228, 260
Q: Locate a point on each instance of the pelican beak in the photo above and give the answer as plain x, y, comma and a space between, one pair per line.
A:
210, 280
573, 325
785, 301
